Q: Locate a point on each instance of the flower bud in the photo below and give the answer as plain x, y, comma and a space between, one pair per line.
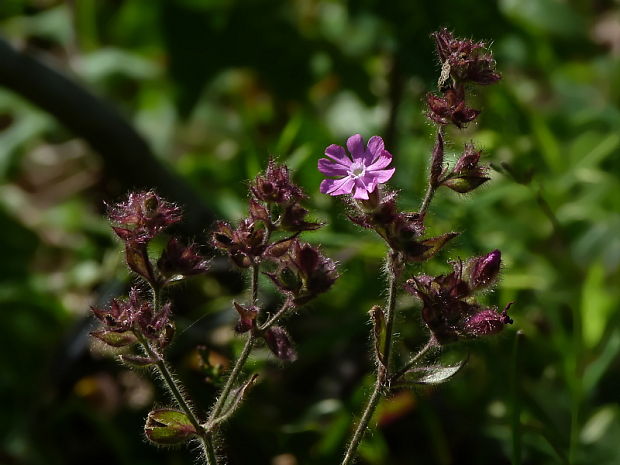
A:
293, 219
450, 108
244, 244
142, 216
247, 317
466, 60
275, 186
168, 426
178, 260
483, 271
467, 174
487, 322
280, 343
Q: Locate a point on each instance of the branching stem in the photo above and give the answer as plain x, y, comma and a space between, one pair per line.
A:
394, 267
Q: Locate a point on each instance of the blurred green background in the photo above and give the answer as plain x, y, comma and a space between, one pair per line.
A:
216, 86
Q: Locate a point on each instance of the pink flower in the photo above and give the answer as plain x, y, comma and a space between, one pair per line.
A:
359, 173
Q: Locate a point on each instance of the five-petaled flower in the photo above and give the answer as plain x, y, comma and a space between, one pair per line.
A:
359, 173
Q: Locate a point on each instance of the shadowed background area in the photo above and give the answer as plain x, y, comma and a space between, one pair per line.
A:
191, 97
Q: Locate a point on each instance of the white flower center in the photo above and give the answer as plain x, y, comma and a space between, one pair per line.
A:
357, 170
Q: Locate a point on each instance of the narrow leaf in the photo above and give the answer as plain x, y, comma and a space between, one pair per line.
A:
435, 374
428, 248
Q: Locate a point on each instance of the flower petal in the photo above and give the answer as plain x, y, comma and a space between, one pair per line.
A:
337, 186
381, 176
360, 193
355, 144
337, 153
384, 159
329, 168
361, 190
375, 147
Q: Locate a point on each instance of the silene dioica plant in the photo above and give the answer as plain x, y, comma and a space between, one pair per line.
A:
269, 241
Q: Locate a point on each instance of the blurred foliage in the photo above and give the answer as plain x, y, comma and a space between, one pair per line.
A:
216, 86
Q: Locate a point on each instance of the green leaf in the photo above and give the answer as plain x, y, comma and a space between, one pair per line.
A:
114, 339
168, 426
428, 248
435, 374
597, 305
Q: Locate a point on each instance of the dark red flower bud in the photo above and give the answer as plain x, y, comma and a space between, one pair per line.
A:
118, 317
487, 322
448, 307
450, 108
303, 272
464, 59
247, 317
258, 212
483, 271
244, 244
280, 343
275, 186
293, 219
142, 216
467, 174
178, 260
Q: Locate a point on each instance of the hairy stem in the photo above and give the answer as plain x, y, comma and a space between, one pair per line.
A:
232, 378
174, 387
243, 357
430, 192
383, 377
373, 401
276, 316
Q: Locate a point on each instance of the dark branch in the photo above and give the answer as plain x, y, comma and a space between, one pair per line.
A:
126, 156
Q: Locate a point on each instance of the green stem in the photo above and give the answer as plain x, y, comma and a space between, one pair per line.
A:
430, 192
243, 357
383, 377
515, 417
232, 378
174, 385
209, 450
285, 307
177, 392
373, 401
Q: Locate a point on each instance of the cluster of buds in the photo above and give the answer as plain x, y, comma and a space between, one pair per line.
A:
123, 319
463, 62
137, 221
298, 270
274, 205
302, 271
403, 231
466, 175
449, 307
